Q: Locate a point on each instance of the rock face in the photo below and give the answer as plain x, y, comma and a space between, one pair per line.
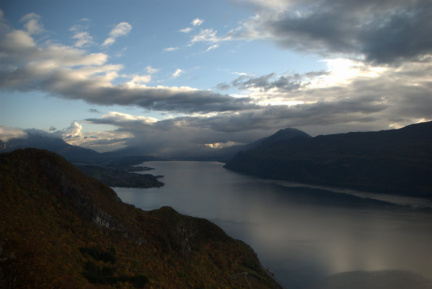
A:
393, 161
60, 228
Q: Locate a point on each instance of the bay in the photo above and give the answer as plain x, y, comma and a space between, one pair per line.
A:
301, 233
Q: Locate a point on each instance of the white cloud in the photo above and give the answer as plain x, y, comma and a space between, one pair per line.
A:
121, 29
219, 145
119, 117
32, 25
73, 131
138, 80
151, 70
7, 133
349, 95
83, 38
177, 73
169, 49
267, 4
210, 36
206, 35
186, 30
103, 141
343, 71
214, 46
100, 141
72, 73
197, 22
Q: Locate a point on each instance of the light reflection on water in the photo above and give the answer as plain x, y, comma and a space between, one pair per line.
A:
302, 234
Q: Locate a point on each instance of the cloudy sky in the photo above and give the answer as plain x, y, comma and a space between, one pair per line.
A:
171, 76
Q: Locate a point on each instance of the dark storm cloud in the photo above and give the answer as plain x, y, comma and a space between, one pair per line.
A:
383, 31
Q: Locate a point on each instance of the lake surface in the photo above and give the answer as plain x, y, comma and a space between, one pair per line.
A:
301, 234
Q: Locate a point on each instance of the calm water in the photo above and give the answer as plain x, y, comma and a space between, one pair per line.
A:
302, 234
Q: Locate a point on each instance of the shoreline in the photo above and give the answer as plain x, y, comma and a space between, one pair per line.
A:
394, 199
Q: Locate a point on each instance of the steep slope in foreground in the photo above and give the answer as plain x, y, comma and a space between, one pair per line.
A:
62, 229
392, 161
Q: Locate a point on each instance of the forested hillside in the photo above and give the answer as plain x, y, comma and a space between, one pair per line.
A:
62, 229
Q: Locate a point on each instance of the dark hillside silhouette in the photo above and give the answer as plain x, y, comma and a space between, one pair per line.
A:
391, 161
62, 229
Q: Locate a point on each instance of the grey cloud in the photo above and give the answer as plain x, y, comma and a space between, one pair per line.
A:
284, 83
273, 117
383, 31
183, 136
247, 82
7, 133
189, 134
33, 131
368, 103
414, 103
223, 86
404, 34
26, 69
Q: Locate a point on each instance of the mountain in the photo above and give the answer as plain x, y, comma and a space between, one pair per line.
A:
37, 140
226, 154
112, 168
392, 161
75, 154
282, 135
62, 229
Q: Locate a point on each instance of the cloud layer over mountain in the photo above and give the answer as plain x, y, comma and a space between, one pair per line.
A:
378, 58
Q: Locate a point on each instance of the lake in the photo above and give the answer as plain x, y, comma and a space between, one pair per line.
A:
301, 233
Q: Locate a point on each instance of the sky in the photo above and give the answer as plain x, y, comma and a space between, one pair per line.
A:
171, 77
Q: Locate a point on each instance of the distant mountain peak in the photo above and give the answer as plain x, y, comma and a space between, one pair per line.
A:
284, 134
288, 133
389, 161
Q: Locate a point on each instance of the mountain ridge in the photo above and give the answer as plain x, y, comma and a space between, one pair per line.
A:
227, 153
284, 134
390, 161
75, 154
